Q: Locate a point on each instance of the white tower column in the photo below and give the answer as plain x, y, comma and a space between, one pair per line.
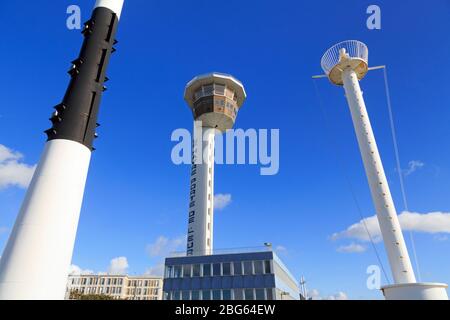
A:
36, 260
201, 204
345, 64
387, 217
37, 256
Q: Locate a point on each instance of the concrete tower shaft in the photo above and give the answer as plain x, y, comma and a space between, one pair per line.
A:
394, 242
345, 64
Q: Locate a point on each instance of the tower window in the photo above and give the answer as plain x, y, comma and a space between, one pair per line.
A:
208, 90
219, 89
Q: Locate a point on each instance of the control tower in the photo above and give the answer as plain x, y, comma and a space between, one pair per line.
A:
215, 100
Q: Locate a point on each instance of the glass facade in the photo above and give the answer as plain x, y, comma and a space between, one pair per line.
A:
232, 276
219, 269
215, 89
221, 294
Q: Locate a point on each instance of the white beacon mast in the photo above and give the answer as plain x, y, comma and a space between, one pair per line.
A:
215, 100
37, 256
345, 64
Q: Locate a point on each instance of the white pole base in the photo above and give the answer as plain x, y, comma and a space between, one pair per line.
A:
416, 291
35, 262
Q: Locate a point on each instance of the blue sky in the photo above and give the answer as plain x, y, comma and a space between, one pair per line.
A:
135, 195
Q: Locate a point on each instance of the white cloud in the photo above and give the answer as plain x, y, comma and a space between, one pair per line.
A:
432, 222
75, 270
157, 270
351, 248
221, 201
441, 237
160, 249
163, 246
12, 171
314, 294
3, 230
281, 249
118, 265
413, 166
338, 296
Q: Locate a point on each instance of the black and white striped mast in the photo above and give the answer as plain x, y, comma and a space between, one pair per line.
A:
36, 260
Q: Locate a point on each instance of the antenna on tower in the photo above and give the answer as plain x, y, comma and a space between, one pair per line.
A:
303, 290
345, 64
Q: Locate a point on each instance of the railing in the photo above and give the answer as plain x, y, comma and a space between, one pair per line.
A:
354, 48
222, 251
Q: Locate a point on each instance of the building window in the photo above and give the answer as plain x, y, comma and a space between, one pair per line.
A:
260, 294
196, 270
177, 271
216, 269
219, 89
206, 295
249, 295
237, 266
176, 295
269, 294
198, 94
216, 295
226, 269
195, 295
238, 294
206, 270
185, 295
187, 271
208, 90
258, 265
226, 294
248, 268
267, 268
229, 93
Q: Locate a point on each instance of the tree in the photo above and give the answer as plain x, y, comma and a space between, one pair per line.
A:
76, 295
